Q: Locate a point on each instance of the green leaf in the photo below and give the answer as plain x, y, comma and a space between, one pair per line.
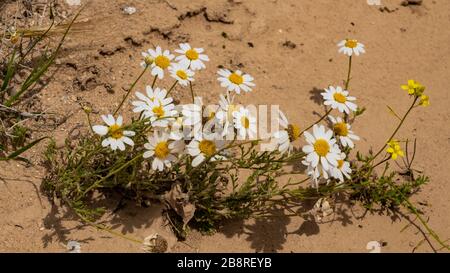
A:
17, 153
9, 72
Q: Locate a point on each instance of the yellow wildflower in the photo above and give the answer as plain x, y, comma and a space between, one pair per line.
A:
394, 149
424, 100
414, 88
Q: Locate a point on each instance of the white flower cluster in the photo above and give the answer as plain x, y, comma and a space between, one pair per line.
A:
325, 158
204, 132
174, 124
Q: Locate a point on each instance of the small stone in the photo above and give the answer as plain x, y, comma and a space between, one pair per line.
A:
129, 10
74, 133
289, 44
412, 2
73, 247
109, 88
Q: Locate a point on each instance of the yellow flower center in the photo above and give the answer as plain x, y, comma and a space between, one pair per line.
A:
207, 147
340, 163
245, 122
293, 132
159, 111
351, 43
162, 61
211, 115
236, 79
340, 129
116, 131
321, 147
182, 74
192, 55
339, 97
162, 150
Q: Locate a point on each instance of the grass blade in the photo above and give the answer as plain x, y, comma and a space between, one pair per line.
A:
9, 72
37, 73
17, 153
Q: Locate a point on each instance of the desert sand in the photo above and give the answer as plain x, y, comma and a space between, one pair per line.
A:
289, 47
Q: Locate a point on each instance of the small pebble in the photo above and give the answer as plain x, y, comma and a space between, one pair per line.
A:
411, 2
129, 10
73, 247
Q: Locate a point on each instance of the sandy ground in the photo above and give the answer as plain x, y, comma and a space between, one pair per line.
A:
96, 66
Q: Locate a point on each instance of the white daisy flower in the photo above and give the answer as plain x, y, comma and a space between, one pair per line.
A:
161, 61
350, 47
224, 115
163, 150
342, 169
192, 116
117, 136
280, 141
245, 123
339, 99
235, 81
210, 112
181, 73
192, 56
211, 124
321, 148
160, 114
342, 131
176, 129
203, 147
317, 174
192, 113
288, 134
143, 104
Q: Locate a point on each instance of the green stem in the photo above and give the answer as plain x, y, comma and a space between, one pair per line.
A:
154, 81
379, 163
296, 183
93, 186
321, 118
104, 228
192, 93
129, 90
172, 87
84, 159
396, 129
424, 223
89, 122
347, 82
